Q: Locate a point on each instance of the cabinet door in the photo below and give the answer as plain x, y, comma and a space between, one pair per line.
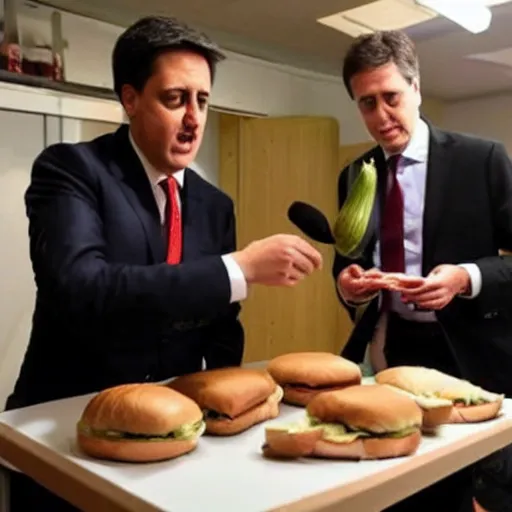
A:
266, 164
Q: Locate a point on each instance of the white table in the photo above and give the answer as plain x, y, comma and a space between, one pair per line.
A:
229, 474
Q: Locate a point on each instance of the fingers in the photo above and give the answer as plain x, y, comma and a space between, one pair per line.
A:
415, 292
372, 273
355, 271
301, 263
431, 300
432, 305
308, 251
421, 299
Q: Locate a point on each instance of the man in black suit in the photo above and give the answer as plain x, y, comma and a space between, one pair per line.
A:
443, 213
135, 260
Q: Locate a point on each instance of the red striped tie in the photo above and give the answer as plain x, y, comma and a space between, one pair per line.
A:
173, 221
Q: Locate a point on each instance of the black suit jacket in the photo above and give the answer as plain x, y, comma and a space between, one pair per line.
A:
109, 310
467, 219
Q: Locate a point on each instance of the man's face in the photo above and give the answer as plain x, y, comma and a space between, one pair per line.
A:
389, 105
168, 116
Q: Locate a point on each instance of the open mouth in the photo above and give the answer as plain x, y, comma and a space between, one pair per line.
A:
185, 138
390, 131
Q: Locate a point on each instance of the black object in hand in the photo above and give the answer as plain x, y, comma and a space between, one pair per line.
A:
311, 221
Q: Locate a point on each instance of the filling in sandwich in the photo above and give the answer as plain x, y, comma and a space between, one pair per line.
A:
340, 433
211, 414
186, 432
432, 399
307, 387
466, 400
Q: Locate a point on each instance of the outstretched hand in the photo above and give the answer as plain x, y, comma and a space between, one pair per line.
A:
439, 287
357, 285
278, 260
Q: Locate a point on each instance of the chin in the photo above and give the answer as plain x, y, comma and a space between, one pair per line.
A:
177, 163
396, 145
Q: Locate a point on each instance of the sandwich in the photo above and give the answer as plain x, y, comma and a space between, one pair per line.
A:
232, 399
470, 403
139, 423
392, 281
302, 375
358, 422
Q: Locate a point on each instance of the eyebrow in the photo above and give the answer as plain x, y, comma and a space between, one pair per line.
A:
184, 89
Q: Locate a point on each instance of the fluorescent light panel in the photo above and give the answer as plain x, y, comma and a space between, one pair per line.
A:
472, 15
378, 15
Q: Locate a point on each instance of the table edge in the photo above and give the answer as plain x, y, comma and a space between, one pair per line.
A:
72, 482
385, 489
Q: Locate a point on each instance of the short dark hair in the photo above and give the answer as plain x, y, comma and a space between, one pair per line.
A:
370, 51
139, 45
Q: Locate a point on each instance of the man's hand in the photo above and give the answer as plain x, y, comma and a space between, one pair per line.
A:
279, 260
440, 287
356, 285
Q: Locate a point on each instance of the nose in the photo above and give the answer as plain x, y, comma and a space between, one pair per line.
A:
381, 113
190, 119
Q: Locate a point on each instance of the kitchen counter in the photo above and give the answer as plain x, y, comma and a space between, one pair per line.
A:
229, 474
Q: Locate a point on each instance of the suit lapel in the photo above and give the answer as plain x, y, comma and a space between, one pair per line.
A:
438, 172
380, 164
192, 205
135, 185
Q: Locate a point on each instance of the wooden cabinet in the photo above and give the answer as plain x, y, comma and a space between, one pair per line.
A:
265, 165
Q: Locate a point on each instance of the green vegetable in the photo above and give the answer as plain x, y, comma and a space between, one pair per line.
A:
339, 433
183, 433
353, 219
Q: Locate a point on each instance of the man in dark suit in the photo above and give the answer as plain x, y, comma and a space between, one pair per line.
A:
443, 213
135, 260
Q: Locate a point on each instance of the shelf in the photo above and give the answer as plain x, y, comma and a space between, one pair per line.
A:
66, 87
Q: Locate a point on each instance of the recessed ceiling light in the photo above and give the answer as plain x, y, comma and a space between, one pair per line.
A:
378, 15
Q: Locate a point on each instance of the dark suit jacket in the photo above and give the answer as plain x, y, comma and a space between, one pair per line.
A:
467, 219
109, 310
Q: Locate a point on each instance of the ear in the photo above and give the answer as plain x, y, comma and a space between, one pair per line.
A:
129, 99
416, 88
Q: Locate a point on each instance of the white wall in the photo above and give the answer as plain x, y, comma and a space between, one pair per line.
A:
489, 117
243, 83
19, 145
206, 163
207, 160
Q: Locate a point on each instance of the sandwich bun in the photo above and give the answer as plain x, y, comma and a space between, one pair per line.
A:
232, 399
434, 416
303, 375
392, 281
470, 403
358, 422
139, 423
475, 413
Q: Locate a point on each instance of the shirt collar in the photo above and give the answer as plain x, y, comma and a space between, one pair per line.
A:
417, 149
154, 176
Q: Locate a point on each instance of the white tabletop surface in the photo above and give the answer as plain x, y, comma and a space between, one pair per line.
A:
225, 474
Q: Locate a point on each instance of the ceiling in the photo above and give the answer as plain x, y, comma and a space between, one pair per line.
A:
286, 31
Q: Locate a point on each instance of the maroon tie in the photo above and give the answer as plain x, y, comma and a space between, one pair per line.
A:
392, 226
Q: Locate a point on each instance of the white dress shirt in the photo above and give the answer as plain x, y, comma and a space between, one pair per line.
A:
412, 176
236, 276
